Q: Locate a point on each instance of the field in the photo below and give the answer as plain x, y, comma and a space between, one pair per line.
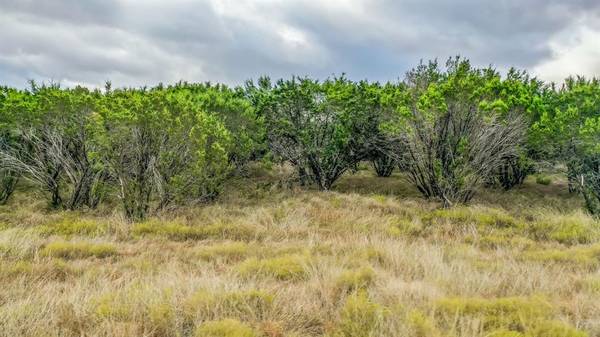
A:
370, 258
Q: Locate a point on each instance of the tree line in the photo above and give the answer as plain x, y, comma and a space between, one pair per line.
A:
450, 128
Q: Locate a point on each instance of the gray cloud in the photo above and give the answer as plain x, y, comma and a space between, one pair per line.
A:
145, 42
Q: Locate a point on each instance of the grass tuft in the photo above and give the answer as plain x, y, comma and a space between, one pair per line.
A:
286, 267
354, 280
225, 328
360, 317
78, 250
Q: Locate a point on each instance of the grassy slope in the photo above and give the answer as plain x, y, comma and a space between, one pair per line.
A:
368, 259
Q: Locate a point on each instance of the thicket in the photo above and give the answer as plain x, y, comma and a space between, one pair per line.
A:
450, 129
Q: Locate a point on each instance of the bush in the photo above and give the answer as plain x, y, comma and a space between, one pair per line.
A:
451, 141
286, 267
161, 146
322, 129
78, 250
225, 328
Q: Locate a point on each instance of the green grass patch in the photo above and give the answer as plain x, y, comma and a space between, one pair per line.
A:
587, 256
225, 328
354, 280
359, 317
286, 267
509, 316
79, 250
71, 226
543, 180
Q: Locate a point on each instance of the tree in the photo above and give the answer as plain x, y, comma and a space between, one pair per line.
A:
571, 131
323, 129
8, 177
52, 149
237, 113
450, 144
161, 147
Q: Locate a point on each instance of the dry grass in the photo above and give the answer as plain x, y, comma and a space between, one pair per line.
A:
276, 262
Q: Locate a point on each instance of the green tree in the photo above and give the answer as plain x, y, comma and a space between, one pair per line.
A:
452, 139
570, 129
161, 147
323, 129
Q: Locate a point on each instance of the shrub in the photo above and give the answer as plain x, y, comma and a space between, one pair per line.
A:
451, 138
161, 145
225, 328
78, 250
322, 129
543, 180
286, 267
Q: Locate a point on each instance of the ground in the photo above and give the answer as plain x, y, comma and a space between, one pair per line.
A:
370, 258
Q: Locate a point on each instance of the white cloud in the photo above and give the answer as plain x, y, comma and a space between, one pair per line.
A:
574, 52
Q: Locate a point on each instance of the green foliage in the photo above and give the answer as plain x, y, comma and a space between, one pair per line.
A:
454, 128
322, 129
225, 328
286, 267
160, 144
78, 250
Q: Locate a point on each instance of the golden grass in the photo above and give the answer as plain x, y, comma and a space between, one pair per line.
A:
283, 262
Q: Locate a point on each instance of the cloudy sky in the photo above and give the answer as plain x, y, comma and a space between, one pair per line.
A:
143, 42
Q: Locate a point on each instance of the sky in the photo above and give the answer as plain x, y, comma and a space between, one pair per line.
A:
145, 42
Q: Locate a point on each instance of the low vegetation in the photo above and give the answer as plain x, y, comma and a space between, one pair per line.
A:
306, 263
